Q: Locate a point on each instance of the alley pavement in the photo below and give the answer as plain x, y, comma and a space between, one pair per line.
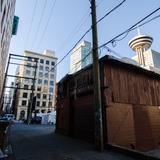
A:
39, 142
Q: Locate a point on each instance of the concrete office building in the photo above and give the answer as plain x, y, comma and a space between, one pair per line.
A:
77, 58
7, 9
44, 86
151, 59
145, 56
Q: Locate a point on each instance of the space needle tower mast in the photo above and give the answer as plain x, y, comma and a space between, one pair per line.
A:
140, 44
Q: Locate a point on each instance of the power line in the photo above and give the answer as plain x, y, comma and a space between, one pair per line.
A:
48, 20
87, 33
40, 21
137, 27
111, 11
131, 28
128, 30
33, 14
76, 29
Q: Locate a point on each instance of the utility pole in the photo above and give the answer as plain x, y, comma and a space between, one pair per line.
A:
4, 83
32, 94
96, 76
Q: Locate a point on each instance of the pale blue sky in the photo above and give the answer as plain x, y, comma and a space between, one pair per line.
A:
67, 14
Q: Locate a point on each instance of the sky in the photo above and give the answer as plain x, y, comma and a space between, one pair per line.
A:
58, 25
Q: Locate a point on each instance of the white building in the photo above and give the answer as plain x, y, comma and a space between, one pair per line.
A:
151, 59
7, 8
44, 86
80, 56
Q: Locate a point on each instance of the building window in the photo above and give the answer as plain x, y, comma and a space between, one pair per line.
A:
46, 68
50, 104
26, 86
52, 63
52, 83
45, 89
41, 68
28, 72
39, 88
44, 104
43, 110
26, 81
45, 82
40, 74
44, 96
29, 58
51, 90
39, 81
47, 62
46, 75
52, 76
29, 65
38, 103
41, 61
33, 73
25, 95
38, 95
24, 103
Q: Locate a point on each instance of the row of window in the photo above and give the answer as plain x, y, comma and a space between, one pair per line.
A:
40, 74
38, 104
46, 82
42, 61
39, 96
39, 88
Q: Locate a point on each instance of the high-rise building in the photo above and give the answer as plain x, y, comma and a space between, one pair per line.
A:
151, 59
7, 9
80, 56
44, 85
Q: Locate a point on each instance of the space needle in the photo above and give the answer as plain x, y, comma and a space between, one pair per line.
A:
140, 44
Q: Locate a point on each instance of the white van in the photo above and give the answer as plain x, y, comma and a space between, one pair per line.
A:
9, 117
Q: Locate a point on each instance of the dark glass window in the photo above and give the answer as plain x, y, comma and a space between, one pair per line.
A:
51, 83
39, 81
52, 63
45, 82
44, 96
24, 103
47, 62
43, 103
41, 61
39, 88
25, 95
38, 95
25, 86
51, 90
38, 103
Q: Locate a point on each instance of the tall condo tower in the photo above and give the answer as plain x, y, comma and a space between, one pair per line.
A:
140, 44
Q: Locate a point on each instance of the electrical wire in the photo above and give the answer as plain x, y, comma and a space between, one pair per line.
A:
87, 33
111, 11
77, 28
131, 28
137, 27
29, 31
48, 20
39, 23
110, 50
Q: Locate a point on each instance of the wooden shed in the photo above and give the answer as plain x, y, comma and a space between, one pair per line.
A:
130, 105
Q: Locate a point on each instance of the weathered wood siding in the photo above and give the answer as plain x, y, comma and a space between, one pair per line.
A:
132, 102
130, 98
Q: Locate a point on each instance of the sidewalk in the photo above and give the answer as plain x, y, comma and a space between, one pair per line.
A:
39, 142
